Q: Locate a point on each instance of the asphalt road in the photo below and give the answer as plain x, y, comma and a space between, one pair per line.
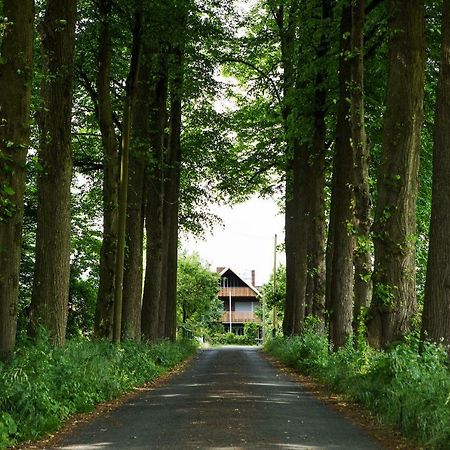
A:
227, 398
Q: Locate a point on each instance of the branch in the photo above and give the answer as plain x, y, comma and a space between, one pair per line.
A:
371, 6
86, 83
260, 72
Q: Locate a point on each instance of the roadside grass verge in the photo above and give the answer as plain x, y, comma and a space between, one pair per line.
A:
406, 387
42, 386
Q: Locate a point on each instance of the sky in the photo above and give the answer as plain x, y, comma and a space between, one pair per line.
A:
245, 241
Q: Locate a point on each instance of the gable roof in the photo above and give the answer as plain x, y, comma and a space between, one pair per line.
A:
226, 269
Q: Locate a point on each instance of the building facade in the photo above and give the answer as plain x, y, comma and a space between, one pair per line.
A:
240, 298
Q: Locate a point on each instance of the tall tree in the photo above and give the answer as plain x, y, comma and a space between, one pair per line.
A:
52, 267
286, 17
133, 271
362, 251
341, 293
130, 96
154, 202
315, 287
172, 169
16, 73
394, 291
108, 254
436, 313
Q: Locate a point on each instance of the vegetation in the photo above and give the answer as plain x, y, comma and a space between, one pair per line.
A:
199, 307
406, 386
43, 385
251, 336
122, 121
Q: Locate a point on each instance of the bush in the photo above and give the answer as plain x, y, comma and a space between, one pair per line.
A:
42, 385
407, 386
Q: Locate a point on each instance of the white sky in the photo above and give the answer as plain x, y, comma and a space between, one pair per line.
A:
245, 241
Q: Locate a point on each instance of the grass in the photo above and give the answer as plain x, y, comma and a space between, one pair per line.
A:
407, 386
42, 386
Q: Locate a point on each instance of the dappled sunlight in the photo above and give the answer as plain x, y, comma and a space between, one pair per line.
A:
230, 399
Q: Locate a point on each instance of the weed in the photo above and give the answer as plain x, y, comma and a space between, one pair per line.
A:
41, 386
407, 386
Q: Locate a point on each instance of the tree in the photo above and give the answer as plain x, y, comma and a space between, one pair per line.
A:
362, 250
436, 314
108, 254
52, 267
394, 293
154, 202
315, 287
341, 274
130, 97
198, 306
274, 297
172, 173
16, 73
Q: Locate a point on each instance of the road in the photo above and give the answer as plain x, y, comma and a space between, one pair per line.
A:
229, 397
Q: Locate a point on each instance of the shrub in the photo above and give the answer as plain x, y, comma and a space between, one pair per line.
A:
407, 386
42, 386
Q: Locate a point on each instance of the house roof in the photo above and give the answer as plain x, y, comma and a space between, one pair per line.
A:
226, 269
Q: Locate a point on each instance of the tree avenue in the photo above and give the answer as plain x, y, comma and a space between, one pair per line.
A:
115, 135
123, 122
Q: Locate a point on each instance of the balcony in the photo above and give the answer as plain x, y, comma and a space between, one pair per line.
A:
239, 317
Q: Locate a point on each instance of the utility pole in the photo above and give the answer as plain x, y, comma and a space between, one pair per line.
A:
229, 293
274, 309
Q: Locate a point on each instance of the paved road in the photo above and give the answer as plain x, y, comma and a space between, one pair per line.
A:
227, 398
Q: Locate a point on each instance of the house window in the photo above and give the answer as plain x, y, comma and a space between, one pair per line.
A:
243, 306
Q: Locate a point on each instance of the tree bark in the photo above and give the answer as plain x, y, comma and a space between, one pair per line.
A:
296, 160
123, 188
436, 312
362, 253
105, 300
394, 293
133, 275
16, 73
154, 207
52, 268
315, 287
341, 293
299, 237
172, 192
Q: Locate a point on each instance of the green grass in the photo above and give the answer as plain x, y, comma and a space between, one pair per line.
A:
406, 388
42, 386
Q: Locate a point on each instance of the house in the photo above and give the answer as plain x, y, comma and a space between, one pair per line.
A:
240, 300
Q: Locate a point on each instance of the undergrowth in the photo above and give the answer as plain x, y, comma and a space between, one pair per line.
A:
42, 386
407, 386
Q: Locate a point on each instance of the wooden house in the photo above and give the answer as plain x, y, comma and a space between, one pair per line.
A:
240, 300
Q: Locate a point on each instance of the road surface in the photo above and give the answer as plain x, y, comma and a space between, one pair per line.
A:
228, 397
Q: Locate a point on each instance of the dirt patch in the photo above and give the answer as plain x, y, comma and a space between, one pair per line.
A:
388, 437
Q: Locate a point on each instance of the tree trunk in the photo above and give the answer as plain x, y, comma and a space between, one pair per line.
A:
172, 193
394, 293
315, 284
315, 287
299, 238
16, 73
341, 293
52, 268
154, 207
105, 300
436, 312
123, 188
362, 253
133, 275
296, 157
